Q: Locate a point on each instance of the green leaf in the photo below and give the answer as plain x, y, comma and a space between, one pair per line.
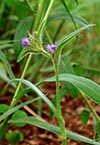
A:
90, 88
85, 4
5, 46
65, 16
25, 51
85, 116
34, 88
21, 31
66, 67
10, 111
22, 93
47, 126
19, 115
78, 69
21, 9
67, 9
71, 89
69, 37
7, 65
97, 130
14, 137
3, 74
3, 108
91, 69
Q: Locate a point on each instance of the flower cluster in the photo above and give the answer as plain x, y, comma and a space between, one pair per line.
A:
33, 44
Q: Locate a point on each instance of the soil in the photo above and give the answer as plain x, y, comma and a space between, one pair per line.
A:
71, 109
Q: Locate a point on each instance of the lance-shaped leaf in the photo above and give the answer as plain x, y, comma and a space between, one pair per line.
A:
55, 129
12, 110
64, 16
21, 31
36, 89
8, 67
90, 88
69, 37
68, 11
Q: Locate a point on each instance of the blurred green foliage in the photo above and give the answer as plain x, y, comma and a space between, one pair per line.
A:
84, 51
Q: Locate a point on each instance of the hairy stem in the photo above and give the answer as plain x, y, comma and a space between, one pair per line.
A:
58, 99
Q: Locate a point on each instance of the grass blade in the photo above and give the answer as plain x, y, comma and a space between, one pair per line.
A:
12, 110
47, 126
8, 67
34, 88
68, 11
69, 37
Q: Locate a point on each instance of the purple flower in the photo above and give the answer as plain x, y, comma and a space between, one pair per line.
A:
52, 47
25, 41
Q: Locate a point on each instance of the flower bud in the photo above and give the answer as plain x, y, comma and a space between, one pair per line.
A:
52, 47
25, 41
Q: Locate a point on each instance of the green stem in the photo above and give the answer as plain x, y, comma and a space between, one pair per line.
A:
13, 102
57, 88
39, 14
90, 107
43, 23
58, 99
48, 10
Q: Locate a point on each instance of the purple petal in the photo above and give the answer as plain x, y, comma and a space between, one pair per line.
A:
52, 47
25, 41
